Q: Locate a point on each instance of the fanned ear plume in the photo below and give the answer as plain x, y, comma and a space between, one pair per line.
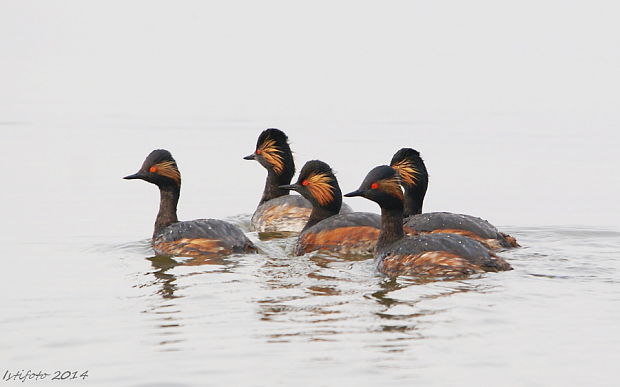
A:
391, 186
408, 173
270, 151
319, 185
169, 170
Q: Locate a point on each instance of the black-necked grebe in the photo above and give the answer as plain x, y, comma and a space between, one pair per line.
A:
437, 255
414, 179
278, 211
201, 237
328, 231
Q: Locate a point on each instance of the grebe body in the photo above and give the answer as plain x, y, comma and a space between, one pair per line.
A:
278, 211
414, 180
436, 255
327, 230
201, 237
466, 225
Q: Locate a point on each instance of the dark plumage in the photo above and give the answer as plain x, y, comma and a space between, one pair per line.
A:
326, 230
466, 225
438, 255
278, 211
414, 180
274, 153
426, 255
201, 237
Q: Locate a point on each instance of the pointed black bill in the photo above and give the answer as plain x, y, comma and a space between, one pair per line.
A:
292, 187
134, 176
250, 157
358, 192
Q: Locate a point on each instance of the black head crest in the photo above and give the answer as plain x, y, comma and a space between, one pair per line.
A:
315, 167
414, 178
159, 168
274, 134
381, 185
319, 185
274, 153
410, 166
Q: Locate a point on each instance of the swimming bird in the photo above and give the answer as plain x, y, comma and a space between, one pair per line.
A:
435, 255
353, 233
194, 238
414, 180
278, 211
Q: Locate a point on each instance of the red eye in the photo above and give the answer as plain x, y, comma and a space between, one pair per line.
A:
153, 169
304, 183
374, 186
258, 152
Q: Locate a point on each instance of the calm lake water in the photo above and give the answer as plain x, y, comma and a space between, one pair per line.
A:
83, 291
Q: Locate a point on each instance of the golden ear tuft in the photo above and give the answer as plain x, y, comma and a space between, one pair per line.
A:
320, 188
271, 153
391, 186
408, 173
167, 169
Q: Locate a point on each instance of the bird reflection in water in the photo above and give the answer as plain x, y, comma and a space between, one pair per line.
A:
314, 297
166, 280
409, 315
309, 294
168, 313
163, 264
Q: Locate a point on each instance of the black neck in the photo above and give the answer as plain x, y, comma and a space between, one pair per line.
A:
391, 227
272, 183
414, 198
169, 197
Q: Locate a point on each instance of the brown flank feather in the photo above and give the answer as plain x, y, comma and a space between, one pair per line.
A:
270, 152
320, 189
187, 247
344, 240
272, 218
511, 240
428, 263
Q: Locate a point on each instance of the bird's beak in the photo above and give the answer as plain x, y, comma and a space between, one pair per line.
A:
293, 187
134, 176
250, 157
358, 192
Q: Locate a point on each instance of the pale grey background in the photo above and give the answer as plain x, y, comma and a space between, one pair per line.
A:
513, 104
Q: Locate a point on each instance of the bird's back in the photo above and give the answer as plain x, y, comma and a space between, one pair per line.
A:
202, 237
438, 255
287, 213
466, 225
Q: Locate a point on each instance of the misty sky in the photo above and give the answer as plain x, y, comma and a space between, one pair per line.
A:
391, 60
537, 82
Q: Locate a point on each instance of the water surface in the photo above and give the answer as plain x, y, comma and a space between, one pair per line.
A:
82, 290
